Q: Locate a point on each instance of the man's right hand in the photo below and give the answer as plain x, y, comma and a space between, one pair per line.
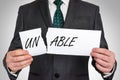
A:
18, 59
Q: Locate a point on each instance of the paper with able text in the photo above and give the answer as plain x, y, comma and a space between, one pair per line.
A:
72, 41
33, 42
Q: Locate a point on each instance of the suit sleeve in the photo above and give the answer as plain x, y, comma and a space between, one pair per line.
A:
103, 44
15, 43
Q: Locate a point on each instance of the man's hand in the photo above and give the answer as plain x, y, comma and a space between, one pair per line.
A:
104, 58
18, 59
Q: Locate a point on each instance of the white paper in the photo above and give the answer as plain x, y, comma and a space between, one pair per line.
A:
33, 42
82, 44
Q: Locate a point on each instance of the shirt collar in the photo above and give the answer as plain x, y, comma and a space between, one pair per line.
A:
66, 2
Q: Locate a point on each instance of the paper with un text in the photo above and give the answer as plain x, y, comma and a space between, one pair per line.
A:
72, 41
33, 42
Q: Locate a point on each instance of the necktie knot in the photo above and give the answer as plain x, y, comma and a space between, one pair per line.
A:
58, 3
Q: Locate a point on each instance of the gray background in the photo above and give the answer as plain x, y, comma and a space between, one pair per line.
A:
110, 16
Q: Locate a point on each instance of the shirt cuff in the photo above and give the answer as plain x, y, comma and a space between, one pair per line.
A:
11, 72
109, 74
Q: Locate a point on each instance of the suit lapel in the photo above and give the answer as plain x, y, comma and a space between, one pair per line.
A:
44, 10
71, 13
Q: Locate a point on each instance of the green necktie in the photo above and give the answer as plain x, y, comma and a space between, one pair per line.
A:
58, 20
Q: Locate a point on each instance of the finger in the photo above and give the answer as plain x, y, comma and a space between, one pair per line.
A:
101, 56
19, 52
102, 69
19, 65
102, 63
102, 51
21, 58
15, 69
11, 58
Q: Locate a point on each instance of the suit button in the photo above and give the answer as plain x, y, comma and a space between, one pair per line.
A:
57, 75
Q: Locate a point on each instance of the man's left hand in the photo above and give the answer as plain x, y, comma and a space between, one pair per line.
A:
105, 59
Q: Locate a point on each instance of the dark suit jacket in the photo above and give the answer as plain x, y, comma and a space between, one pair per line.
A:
80, 15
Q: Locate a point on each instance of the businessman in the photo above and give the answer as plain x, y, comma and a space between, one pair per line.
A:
72, 14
